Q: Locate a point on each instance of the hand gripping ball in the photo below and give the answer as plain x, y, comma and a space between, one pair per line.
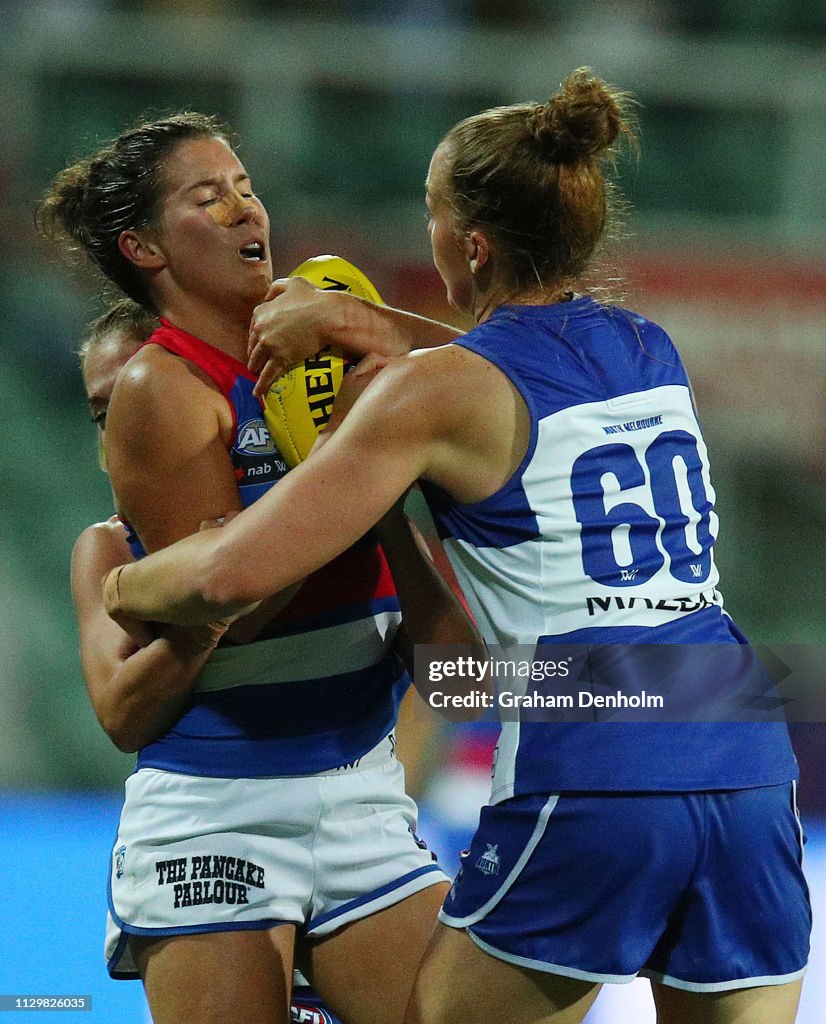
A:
299, 403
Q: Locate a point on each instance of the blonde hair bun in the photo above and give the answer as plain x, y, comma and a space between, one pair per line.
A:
581, 121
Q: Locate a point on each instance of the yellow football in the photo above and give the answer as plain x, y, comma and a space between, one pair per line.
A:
299, 403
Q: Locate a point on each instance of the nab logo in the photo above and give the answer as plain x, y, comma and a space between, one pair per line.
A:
697, 571
254, 438
489, 863
628, 574
301, 1013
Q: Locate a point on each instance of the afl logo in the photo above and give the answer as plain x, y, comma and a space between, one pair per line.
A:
303, 1013
254, 439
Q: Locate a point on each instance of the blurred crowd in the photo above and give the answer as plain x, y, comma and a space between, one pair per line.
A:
785, 19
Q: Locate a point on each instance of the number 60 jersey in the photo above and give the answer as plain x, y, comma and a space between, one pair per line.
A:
603, 535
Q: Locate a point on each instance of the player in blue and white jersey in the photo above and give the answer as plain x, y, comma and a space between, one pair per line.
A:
565, 466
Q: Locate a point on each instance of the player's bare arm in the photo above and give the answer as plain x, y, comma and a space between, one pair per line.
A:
410, 422
431, 611
169, 471
297, 320
137, 691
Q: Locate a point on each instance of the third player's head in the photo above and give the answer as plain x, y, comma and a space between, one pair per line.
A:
110, 342
168, 214
518, 196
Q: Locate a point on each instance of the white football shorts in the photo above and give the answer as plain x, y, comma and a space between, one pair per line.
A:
199, 854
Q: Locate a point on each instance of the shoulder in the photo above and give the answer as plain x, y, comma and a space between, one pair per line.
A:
153, 372
159, 392
441, 369
441, 385
646, 333
454, 412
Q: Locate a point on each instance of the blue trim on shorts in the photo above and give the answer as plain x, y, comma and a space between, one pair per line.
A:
160, 933
115, 959
369, 897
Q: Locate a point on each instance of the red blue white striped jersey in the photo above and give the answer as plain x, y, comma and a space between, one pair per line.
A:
320, 686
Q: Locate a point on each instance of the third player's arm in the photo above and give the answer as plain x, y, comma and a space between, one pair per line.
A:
137, 692
431, 611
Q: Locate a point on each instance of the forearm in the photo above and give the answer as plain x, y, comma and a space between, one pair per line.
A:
179, 585
246, 628
431, 611
149, 690
298, 320
365, 327
418, 742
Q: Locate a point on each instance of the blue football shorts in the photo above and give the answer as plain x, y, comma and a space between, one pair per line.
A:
700, 891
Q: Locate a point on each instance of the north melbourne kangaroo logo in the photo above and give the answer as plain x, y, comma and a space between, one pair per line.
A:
489, 863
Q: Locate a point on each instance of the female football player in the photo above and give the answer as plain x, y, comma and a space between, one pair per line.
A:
563, 459
272, 804
138, 691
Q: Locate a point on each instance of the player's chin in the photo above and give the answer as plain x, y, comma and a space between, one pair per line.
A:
457, 296
256, 281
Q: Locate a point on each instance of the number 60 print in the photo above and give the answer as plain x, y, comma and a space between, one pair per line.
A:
649, 537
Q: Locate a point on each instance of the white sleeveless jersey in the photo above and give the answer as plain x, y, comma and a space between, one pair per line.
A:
633, 509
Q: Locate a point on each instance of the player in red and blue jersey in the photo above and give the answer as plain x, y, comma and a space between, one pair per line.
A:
138, 691
246, 821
